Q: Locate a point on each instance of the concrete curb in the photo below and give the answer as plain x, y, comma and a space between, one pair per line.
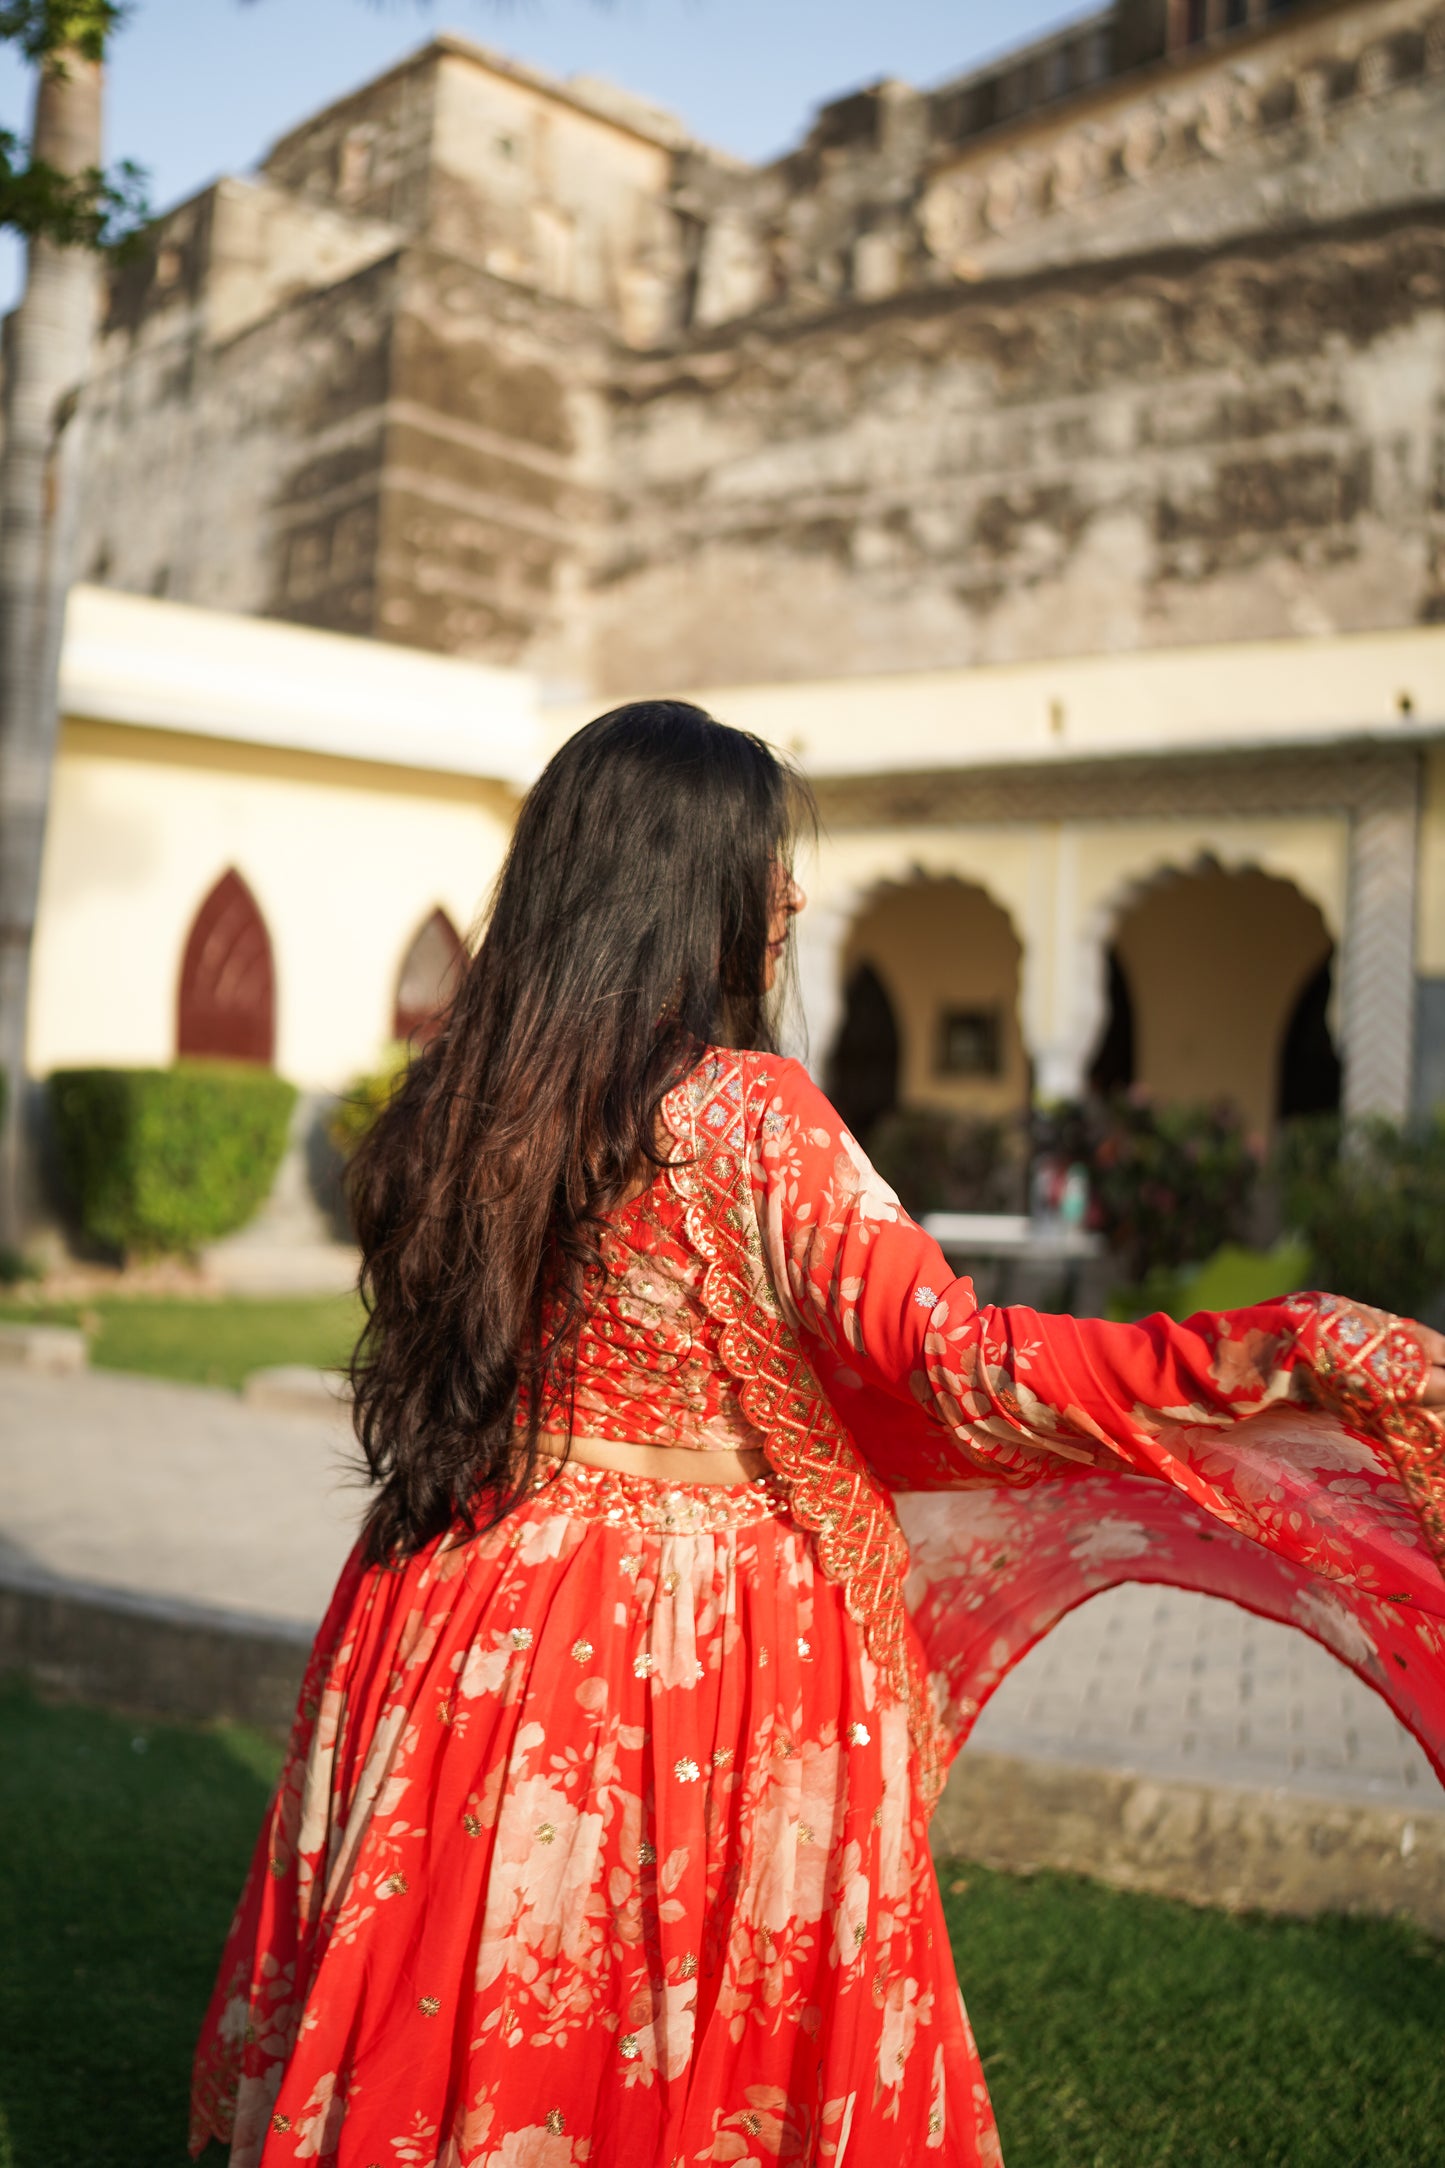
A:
151, 1655
59, 1350
297, 1389
1268, 1851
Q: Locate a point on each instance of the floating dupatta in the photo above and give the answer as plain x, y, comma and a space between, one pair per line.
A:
1276, 1456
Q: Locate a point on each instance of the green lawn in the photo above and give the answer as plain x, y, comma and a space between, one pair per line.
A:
1118, 2032
205, 1342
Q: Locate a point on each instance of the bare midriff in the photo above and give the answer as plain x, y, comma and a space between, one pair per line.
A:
667, 1463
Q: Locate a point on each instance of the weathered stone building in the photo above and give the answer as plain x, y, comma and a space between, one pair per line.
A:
1112, 346
1055, 460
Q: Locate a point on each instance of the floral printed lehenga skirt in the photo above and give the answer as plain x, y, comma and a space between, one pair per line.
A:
596, 1844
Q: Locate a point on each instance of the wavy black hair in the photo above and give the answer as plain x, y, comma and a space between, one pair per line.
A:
628, 932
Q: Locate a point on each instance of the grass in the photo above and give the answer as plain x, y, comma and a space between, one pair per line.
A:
1120, 2031
202, 1341
125, 1844
1117, 2031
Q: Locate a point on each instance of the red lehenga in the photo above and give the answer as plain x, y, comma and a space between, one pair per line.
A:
602, 1837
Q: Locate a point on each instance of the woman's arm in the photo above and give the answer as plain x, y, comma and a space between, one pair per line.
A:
1010, 1391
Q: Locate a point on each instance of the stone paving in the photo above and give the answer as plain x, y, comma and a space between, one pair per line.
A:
182, 1492
1172, 1685
173, 1490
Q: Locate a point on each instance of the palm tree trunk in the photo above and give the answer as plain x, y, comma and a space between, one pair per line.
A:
47, 350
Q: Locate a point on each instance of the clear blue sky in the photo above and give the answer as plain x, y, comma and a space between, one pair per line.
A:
201, 87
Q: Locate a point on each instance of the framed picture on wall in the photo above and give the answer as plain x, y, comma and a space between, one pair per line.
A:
970, 1042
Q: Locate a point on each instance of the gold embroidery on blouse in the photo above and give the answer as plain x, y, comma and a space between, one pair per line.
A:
832, 1491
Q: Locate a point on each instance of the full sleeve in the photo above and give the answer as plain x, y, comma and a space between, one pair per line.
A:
948, 1393
1278, 1456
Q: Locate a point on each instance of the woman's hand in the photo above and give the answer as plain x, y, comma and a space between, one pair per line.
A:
1433, 1344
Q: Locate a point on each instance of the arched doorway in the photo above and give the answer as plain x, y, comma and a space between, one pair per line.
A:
226, 1009
427, 980
1222, 974
931, 969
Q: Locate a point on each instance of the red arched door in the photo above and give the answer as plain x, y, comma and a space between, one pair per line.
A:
427, 980
227, 1006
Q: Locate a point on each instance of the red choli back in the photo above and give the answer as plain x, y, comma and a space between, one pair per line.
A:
648, 1367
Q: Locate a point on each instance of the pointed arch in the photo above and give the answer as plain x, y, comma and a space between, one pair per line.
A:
428, 978
226, 1007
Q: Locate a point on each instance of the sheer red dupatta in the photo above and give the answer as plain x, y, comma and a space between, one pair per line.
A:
1276, 1456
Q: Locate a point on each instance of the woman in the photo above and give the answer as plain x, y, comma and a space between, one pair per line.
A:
603, 1833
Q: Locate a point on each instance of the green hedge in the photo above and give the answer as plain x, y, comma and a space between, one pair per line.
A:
157, 1160
365, 1097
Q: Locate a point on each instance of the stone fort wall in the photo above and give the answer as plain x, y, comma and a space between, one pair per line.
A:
1127, 341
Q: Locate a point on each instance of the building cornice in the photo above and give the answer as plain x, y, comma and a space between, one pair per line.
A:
129, 659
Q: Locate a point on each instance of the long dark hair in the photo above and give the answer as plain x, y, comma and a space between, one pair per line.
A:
628, 931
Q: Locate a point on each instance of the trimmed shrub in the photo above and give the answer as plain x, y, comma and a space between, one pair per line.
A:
1370, 1204
940, 1162
364, 1098
163, 1160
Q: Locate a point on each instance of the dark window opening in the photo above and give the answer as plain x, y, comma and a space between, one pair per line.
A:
1113, 1065
863, 1068
970, 1042
1309, 1066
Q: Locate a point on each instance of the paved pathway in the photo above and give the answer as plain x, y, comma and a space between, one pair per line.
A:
173, 1490
180, 1491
